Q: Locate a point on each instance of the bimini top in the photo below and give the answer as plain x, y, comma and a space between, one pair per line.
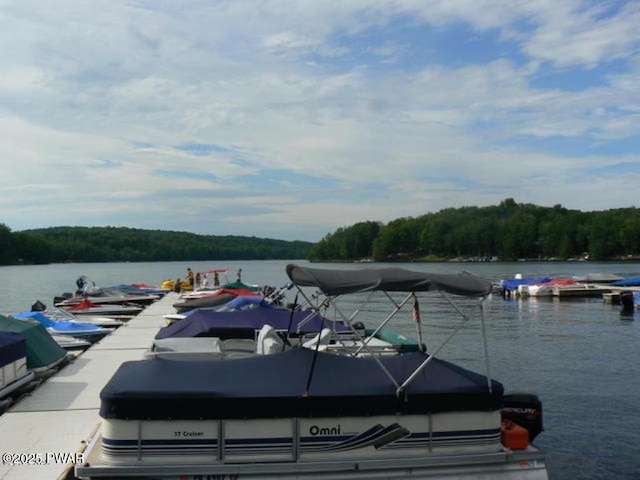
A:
338, 282
294, 383
244, 323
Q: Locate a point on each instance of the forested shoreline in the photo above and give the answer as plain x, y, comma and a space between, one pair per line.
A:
505, 232
119, 244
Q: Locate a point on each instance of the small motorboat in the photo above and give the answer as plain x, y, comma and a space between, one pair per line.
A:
110, 295
87, 307
59, 314
86, 331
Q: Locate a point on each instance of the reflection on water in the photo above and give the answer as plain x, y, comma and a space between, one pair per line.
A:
581, 356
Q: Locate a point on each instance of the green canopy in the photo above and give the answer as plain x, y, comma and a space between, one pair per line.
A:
43, 352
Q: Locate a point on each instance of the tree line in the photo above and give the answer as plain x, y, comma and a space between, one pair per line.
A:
119, 244
506, 232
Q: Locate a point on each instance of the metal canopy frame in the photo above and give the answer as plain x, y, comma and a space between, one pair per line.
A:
320, 301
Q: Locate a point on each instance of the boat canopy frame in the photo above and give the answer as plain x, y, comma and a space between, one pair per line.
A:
332, 284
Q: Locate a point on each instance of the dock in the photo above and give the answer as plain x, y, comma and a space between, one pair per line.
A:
45, 433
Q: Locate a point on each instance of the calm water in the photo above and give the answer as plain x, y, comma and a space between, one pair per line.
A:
581, 356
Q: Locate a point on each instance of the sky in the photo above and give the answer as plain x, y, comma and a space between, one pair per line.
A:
291, 119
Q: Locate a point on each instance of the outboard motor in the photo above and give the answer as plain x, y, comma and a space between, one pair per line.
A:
38, 306
524, 409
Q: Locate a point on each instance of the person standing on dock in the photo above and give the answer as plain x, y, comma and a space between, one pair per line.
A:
190, 277
239, 275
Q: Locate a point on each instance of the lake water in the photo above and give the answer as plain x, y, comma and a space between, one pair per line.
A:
581, 356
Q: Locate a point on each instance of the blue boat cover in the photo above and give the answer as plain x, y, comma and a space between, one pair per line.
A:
511, 284
242, 301
244, 323
125, 287
275, 386
61, 326
627, 282
13, 346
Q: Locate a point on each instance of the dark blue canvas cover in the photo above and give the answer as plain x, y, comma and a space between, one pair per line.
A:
276, 386
244, 323
13, 346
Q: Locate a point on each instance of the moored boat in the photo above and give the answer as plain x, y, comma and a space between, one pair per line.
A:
306, 413
14, 373
59, 314
85, 331
108, 295
44, 355
87, 307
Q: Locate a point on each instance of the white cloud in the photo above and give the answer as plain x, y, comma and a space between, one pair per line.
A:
311, 115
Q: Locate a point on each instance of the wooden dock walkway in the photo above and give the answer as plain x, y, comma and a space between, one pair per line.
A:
47, 428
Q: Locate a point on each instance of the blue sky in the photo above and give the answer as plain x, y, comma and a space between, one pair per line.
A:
290, 119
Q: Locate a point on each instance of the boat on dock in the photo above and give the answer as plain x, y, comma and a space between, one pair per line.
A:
14, 373
117, 311
85, 331
304, 412
43, 353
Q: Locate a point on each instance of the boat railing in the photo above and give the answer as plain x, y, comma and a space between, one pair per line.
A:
320, 305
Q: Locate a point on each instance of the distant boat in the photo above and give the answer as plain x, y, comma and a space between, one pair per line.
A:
111, 295
87, 307
597, 278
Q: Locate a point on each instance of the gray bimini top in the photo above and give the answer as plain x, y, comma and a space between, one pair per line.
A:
339, 282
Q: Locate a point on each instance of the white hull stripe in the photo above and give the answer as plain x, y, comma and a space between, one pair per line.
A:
391, 437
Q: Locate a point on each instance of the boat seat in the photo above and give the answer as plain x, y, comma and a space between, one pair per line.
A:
268, 341
196, 348
238, 347
322, 338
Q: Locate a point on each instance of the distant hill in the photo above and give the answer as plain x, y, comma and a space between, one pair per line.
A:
505, 232
120, 244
